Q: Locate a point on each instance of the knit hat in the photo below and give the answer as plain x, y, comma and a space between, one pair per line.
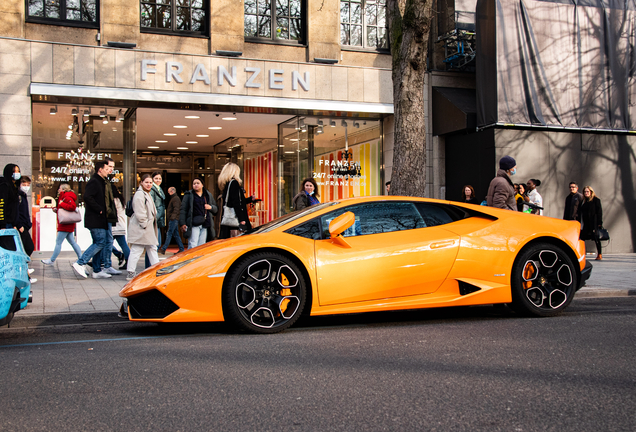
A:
507, 162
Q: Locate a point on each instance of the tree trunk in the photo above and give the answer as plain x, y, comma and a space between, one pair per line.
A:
409, 28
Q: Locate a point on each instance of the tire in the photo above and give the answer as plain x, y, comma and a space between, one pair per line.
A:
264, 293
544, 280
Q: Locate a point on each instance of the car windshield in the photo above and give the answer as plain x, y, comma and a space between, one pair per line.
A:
289, 217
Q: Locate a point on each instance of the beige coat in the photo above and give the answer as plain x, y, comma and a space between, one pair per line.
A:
142, 226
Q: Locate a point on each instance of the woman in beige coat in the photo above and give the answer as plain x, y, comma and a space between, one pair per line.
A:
142, 227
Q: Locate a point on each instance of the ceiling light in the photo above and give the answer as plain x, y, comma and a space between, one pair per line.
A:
161, 141
74, 111
53, 110
120, 115
192, 142
202, 136
319, 130
294, 139
153, 147
320, 123
170, 134
179, 127
105, 120
290, 152
192, 117
332, 123
102, 113
87, 112
182, 148
229, 118
174, 153
343, 123
215, 128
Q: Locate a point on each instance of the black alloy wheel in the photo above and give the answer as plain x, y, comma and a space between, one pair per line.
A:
264, 293
544, 280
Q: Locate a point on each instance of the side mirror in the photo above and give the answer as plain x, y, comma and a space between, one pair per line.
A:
340, 225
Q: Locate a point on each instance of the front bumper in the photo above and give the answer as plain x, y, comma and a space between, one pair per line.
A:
585, 274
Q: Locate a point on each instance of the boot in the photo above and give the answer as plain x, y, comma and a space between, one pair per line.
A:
599, 257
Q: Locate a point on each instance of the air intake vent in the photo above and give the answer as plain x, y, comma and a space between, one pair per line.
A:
466, 288
151, 304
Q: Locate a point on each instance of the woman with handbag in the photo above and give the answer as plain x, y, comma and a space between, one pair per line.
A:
592, 215
197, 214
142, 227
66, 202
234, 215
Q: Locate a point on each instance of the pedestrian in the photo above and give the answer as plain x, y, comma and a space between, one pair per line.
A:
230, 183
119, 230
23, 221
67, 200
592, 216
573, 203
534, 196
307, 196
159, 198
142, 227
197, 214
9, 196
105, 258
173, 213
388, 187
501, 192
468, 195
521, 197
96, 217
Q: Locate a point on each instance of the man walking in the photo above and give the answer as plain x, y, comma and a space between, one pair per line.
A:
573, 203
174, 208
501, 192
95, 220
105, 257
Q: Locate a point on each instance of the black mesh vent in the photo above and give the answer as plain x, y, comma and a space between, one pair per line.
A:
151, 304
466, 288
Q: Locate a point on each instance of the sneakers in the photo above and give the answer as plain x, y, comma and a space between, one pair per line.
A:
131, 275
79, 269
112, 271
32, 280
162, 251
101, 275
31, 270
47, 262
123, 265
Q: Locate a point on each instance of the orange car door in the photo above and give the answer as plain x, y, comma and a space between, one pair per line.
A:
383, 265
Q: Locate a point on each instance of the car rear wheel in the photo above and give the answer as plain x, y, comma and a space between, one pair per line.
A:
264, 293
544, 280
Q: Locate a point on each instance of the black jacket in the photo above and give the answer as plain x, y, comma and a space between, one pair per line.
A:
592, 215
187, 205
95, 202
174, 208
24, 217
572, 209
238, 202
8, 197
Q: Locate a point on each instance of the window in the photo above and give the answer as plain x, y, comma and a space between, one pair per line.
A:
174, 16
376, 218
77, 13
363, 24
310, 230
436, 214
278, 20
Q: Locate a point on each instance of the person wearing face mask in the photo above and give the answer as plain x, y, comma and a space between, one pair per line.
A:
23, 220
501, 192
9, 196
307, 196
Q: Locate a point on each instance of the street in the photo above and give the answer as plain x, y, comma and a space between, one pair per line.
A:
478, 368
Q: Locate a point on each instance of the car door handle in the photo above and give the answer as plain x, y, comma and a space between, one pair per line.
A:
442, 244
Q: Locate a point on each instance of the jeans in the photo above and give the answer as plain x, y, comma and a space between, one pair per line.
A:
173, 231
105, 258
147, 260
100, 237
70, 238
198, 237
125, 251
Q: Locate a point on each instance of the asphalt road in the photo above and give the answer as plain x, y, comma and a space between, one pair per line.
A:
465, 369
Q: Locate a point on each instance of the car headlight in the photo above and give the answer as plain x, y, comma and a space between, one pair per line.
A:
174, 267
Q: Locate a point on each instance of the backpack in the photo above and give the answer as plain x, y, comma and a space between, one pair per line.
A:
129, 208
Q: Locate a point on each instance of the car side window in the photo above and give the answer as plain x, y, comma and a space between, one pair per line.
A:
439, 214
376, 218
309, 229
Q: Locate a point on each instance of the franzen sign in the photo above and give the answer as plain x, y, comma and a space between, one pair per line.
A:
275, 77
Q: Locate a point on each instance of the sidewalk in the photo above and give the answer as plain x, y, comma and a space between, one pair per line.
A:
59, 290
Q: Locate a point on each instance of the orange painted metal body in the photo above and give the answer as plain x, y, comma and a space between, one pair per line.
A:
410, 269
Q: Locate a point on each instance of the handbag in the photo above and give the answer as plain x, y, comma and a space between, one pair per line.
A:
66, 217
229, 218
602, 234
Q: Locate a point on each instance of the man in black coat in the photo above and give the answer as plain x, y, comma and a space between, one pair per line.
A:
96, 220
23, 221
573, 203
173, 212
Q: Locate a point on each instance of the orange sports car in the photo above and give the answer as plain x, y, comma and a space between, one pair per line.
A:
367, 254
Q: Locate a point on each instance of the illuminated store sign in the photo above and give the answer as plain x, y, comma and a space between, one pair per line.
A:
275, 77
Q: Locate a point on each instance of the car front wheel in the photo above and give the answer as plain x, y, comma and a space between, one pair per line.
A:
544, 280
264, 293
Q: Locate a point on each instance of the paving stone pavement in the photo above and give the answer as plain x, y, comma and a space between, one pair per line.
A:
60, 291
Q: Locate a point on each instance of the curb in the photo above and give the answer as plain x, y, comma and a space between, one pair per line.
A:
597, 292
63, 319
